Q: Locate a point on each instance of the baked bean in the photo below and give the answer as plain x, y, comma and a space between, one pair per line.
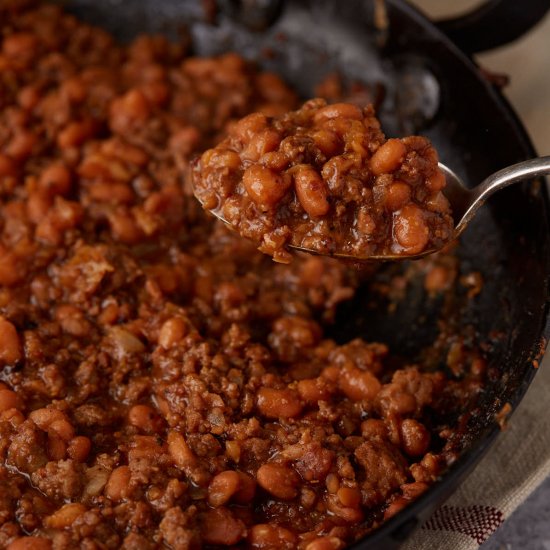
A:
414, 490
30, 543
126, 111
436, 181
278, 403
79, 448
222, 487
279, 480
328, 142
264, 186
9, 399
388, 157
415, 438
398, 194
144, 418
111, 192
10, 346
65, 516
326, 543
313, 390
21, 145
221, 527
351, 514
311, 191
76, 133
172, 332
249, 126
338, 110
179, 451
349, 497
359, 385
410, 229
117, 486
268, 536
55, 179
265, 142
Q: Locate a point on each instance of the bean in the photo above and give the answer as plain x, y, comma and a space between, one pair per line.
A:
30, 543
388, 157
278, 403
10, 346
338, 110
398, 194
179, 451
269, 536
265, 187
349, 496
264, 142
311, 191
55, 179
9, 400
326, 543
415, 438
358, 385
65, 516
79, 448
127, 110
219, 526
351, 514
249, 126
144, 418
313, 390
436, 181
279, 480
75, 134
172, 331
410, 230
222, 487
117, 485
328, 142
21, 145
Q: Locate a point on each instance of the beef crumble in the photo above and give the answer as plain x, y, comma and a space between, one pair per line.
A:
162, 384
324, 178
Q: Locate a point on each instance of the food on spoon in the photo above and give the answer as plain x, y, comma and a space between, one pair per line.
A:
324, 178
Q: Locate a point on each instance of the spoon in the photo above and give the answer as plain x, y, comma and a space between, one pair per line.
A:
464, 203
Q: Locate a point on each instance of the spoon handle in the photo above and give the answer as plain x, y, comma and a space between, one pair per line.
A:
499, 180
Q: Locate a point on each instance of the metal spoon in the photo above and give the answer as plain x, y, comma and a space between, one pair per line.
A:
464, 202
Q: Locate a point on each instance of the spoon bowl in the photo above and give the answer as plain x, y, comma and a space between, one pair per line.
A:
464, 203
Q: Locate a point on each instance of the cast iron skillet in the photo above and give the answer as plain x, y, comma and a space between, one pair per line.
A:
433, 88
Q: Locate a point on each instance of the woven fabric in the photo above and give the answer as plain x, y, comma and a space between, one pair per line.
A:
516, 465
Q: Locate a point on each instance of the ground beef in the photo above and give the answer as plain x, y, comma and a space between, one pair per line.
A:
163, 384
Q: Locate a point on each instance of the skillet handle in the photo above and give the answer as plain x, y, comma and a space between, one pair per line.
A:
494, 23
